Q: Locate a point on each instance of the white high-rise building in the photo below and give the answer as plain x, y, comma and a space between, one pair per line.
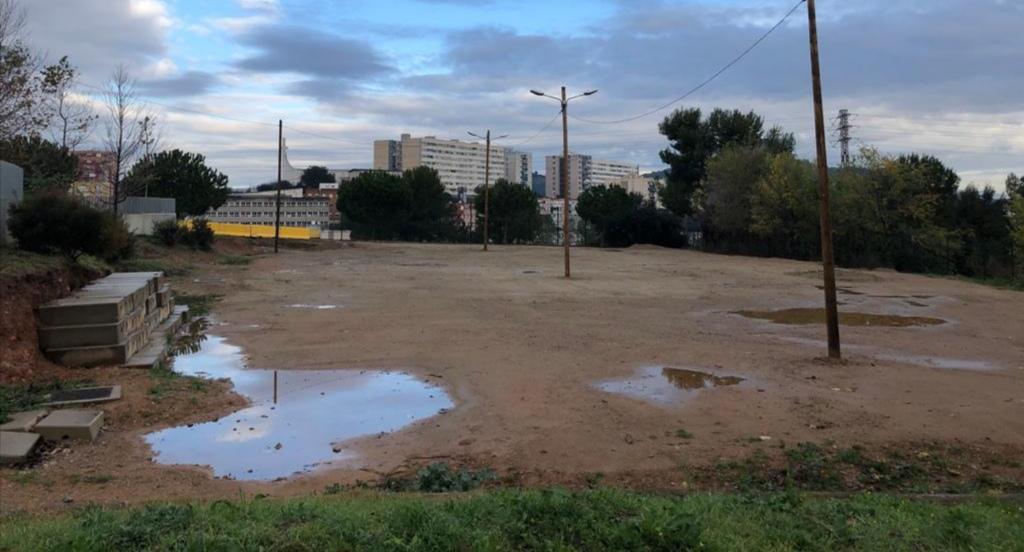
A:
461, 165
584, 172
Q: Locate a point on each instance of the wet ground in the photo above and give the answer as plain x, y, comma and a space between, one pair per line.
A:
302, 424
846, 318
668, 386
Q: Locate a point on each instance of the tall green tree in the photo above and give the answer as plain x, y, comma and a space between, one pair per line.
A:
431, 212
377, 203
693, 141
195, 187
1015, 215
48, 167
514, 214
784, 208
985, 233
603, 205
732, 178
315, 175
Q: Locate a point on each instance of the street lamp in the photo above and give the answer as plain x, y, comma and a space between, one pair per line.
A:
564, 102
487, 176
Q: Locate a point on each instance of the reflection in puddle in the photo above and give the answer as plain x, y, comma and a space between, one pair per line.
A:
817, 316
917, 360
315, 307
315, 408
664, 385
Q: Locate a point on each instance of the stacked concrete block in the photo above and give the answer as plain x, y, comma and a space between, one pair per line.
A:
110, 320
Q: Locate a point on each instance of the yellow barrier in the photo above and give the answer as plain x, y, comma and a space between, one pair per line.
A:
263, 231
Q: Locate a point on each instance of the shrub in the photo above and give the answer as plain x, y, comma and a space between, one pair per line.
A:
58, 223
200, 236
167, 232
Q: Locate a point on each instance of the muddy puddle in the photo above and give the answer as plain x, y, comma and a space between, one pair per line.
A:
817, 316
667, 386
315, 410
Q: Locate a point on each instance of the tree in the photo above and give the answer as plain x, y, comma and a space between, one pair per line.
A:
314, 176
784, 208
47, 166
70, 121
694, 141
1015, 214
732, 178
377, 202
124, 130
20, 95
270, 186
514, 213
983, 224
603, 205
59, 223
195, 187
431, 212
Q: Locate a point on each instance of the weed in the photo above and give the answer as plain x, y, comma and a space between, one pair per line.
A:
440, 478
153, 265
235, 260
25, 396
198, 305
810, 468
593, 479
683, 434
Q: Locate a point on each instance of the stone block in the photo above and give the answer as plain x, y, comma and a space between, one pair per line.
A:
15, 446
24, 421
75, 424
90, 335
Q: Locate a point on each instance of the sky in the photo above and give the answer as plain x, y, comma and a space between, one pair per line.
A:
942, 77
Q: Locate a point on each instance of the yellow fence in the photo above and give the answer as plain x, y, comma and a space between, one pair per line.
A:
264, 231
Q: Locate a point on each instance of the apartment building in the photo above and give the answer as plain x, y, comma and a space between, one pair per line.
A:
584, 172
519, 167
644, 185
259, 208
461, 165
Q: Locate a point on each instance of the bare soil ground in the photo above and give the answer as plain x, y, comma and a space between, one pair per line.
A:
520, 350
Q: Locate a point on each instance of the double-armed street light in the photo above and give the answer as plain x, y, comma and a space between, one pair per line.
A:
565, 164
487, 176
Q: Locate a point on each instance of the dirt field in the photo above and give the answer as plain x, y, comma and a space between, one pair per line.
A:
520, 350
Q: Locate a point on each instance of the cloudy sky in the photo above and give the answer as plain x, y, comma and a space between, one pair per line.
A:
937, 76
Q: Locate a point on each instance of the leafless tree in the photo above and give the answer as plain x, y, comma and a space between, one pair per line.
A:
124, 129
70, 121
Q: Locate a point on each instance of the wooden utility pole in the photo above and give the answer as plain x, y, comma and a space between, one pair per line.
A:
277, 215
827, 257
487, 189
565, 179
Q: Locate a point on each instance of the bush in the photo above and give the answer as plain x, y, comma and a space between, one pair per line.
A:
57, 223
200, 236
167, 232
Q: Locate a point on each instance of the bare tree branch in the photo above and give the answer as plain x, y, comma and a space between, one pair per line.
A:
124, 131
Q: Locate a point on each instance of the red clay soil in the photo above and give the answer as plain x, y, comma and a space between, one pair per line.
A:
20, 358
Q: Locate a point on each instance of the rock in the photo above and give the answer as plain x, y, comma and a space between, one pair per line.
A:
278, 446
68, 500
764, 437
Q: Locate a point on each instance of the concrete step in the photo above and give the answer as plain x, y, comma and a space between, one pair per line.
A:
24, 421
91, 335
157, 349
95, 304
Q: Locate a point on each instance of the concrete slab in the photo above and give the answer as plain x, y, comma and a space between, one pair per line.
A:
98, 305
156, 350
84, 395
71, 424
24, 421
15, 446
90, 335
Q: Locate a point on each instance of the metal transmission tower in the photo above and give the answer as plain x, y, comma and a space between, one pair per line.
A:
844, 136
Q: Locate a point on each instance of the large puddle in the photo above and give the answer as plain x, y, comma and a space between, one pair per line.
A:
667, 386
314, 409
817, 316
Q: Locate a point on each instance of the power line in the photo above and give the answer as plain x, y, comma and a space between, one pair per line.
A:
706, 82
539, 132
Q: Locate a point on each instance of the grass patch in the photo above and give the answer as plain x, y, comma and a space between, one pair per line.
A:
26, 396
683, 434
152, 265
198, 305
601, 519
15, 263
440, 478
236, 260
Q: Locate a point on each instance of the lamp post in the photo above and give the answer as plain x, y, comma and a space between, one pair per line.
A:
564, 102
487, 177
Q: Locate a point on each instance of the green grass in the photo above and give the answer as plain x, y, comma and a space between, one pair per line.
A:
198, 305
25, 396
152, 265
530, 520
239, 260
15, 263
